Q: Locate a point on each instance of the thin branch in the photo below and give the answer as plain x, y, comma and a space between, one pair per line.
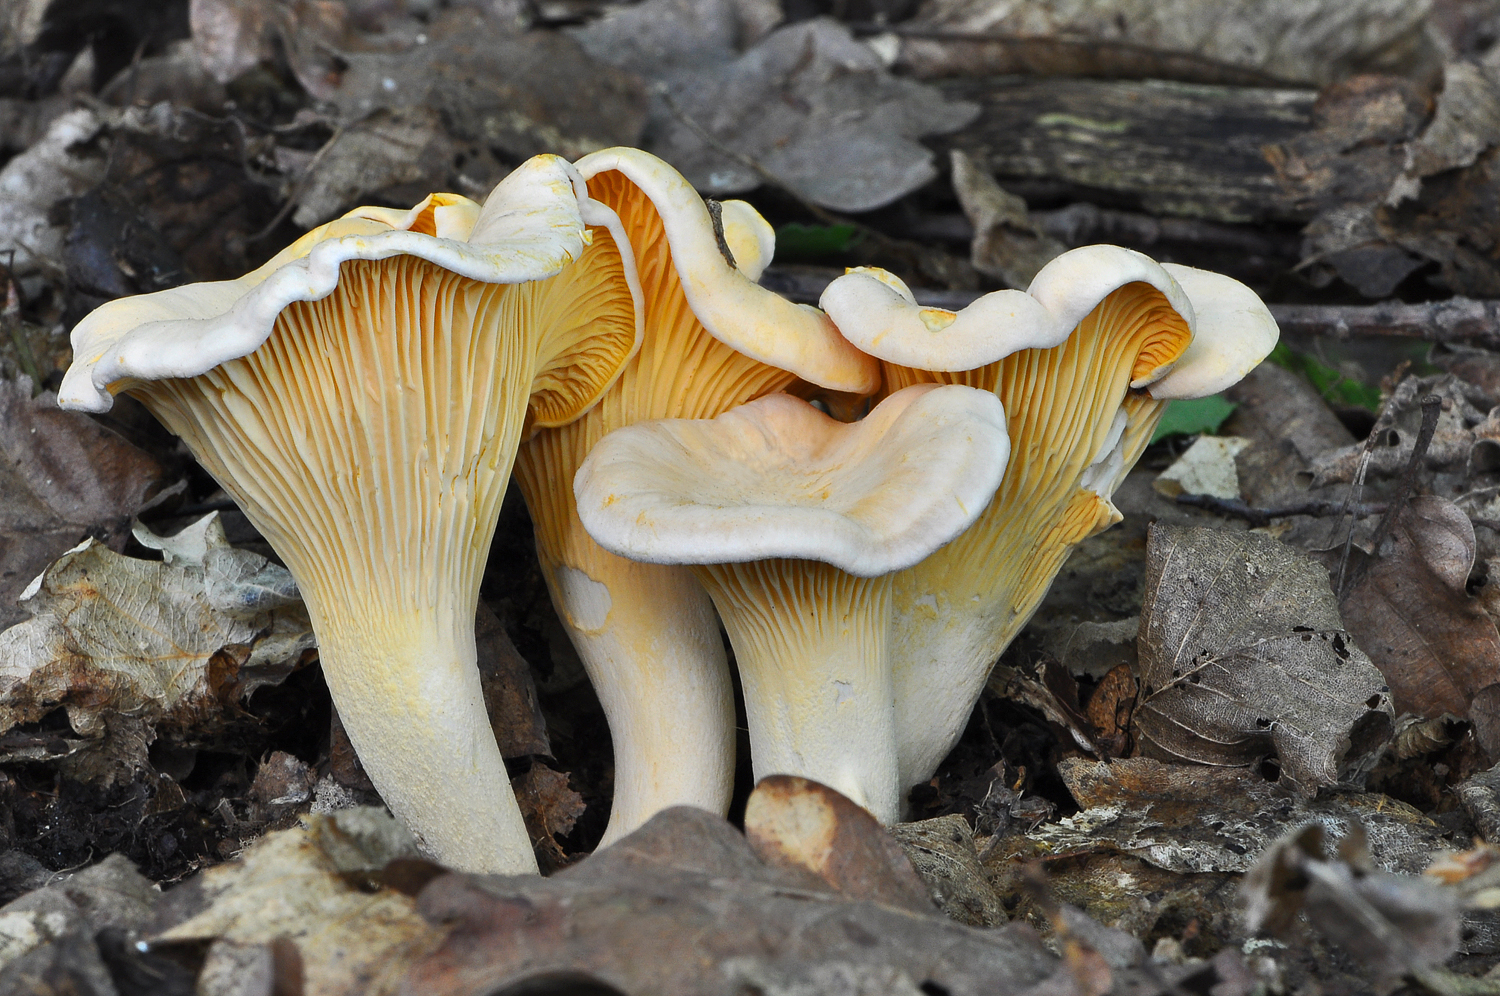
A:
1257, 516
299, 188
1432, 406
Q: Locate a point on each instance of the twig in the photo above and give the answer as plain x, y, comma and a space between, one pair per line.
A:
299, 188
1458, 319
1432, 406
1263, 516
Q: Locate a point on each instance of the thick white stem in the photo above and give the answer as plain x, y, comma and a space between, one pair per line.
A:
649, 639
941, 662
407, 690
810, 642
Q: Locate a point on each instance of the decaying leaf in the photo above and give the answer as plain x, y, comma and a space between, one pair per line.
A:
387, 148
549, 806
1396, 183
500, 85
158, 642
804, 827
808, 103
62, 476
942, 852
1393, 925
1242, 655
317, 885
687, 888
49, 938
1434, 643
1195, 819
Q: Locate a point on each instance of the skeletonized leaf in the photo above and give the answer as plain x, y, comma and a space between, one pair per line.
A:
1242, 655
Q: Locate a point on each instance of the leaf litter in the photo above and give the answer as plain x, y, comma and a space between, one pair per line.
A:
204, 149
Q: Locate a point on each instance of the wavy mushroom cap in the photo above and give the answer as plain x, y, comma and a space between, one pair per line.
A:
530, 228
647, 634
777, 478
877, 312
1233, 332
723, 295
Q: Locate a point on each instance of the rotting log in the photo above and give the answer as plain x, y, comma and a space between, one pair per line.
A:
1177, 149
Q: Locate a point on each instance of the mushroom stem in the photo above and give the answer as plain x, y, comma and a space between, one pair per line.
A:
649, 640
408, 694
810, 642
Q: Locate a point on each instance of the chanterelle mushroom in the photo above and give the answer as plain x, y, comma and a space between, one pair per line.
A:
1082, 401
713, 339
794, 522
361, 396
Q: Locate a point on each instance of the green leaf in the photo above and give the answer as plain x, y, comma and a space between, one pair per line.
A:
1335, 388
797, 239
1194, 415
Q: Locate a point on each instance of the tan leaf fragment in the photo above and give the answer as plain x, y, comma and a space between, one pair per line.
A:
1242, 655
549, 805
157, 642
304, 884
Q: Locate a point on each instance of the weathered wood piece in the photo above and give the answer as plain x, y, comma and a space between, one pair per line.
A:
1174, 149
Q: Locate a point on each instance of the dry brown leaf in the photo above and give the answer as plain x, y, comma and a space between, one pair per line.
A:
1242, 655
61, 165
1392, 925
306, 884
1409, 607
62, 476
804, 827
682, 906
403, 146
1191, 819
942, 852
522, 92
807, 103
156, 642
549, 805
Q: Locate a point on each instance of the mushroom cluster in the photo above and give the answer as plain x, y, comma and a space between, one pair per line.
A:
599, 326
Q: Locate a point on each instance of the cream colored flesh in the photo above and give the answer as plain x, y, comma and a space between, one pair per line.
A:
810, 642
407, 689
649, 639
